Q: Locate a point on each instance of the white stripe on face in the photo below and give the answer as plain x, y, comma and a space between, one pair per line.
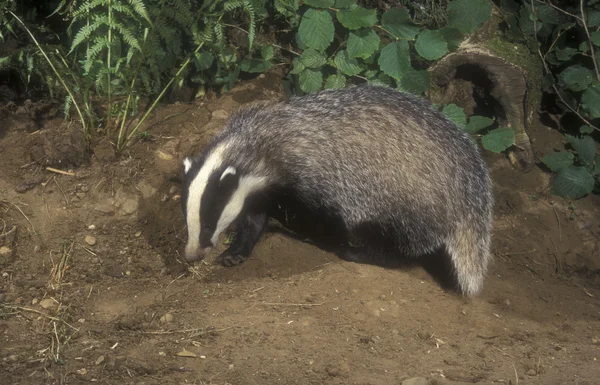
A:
247, 185
195, 192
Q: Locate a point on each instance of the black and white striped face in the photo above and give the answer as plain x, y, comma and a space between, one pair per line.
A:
213, 197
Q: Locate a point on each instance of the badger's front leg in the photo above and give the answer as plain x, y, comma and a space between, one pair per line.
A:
247, 232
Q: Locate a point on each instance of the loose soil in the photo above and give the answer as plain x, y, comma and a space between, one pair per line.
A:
93, 287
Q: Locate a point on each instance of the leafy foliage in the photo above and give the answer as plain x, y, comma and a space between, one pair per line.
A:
567, 43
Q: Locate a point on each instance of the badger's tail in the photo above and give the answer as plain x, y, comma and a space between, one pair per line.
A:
469, 250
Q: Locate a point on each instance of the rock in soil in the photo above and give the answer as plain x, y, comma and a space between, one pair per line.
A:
48, 303
90, 240
167, 318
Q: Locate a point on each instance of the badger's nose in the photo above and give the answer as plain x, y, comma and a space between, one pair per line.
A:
193, 253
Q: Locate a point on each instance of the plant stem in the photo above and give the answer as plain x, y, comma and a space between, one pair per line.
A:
109, 112
183, 66
587, 32
85, 128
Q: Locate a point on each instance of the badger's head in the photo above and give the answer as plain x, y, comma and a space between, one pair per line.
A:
213, 196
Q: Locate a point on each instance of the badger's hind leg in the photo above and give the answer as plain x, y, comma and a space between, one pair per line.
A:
247, 233
469, 251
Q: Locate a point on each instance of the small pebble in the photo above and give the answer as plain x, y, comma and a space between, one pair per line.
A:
48, 303
137, 234
90, 240
176, 197
173, 190
13, 357
34, 301
167, 318
5, 250
92, 227
100, 360
531, 372
5, 275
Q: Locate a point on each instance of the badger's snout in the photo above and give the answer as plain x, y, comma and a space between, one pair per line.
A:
194, 253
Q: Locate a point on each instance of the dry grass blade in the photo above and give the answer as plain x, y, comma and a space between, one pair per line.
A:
58, 270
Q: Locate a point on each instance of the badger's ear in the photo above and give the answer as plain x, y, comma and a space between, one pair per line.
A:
228, 171
187, 164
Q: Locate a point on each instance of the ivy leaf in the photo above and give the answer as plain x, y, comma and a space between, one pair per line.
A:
499, 139
577, 78
585, 147
456, 114
310, 80
590, 100
478, 123
335, 82
416, 82
316, 29
595, 37
431, 45
357, 18
319, 3
394, 59
556, 161
573, 182
362, 43
347, 65
312, 58
340, 4
468, 15
586, 130
397, 22
452, 36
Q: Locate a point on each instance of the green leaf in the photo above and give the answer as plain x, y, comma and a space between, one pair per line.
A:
319, 3
584, 46
565, 53
468, 15
312, 58
310, 80
452, 36
585, 147
499, 139
382, 79
397, 22
577, 78
431, 45
416, 82
340, 4
335, 82
548, 14
267, 52
556, 161
345, 64
593, 18
298, 66
526, 21
316, 29
456, 114
204, 60
362, 43
595, 37
586, 130
394, 59
573, 182
255, 65
478, 123
288, 8
357, 18
590, 101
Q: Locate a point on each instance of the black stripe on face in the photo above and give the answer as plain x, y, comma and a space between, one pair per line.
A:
214, 199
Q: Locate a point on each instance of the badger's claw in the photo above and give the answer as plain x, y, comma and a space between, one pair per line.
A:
229, 260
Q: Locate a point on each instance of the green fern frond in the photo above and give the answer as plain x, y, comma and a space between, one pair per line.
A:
67, 107
86, 31
231, 5
87, 6
140, 9
99, 44
128, 35
249, 8
219, 34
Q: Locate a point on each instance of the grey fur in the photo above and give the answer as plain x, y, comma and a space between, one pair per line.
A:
371, 154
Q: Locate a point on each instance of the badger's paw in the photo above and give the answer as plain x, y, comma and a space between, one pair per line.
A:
229, 260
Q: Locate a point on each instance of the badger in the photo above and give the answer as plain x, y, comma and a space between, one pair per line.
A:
384, 166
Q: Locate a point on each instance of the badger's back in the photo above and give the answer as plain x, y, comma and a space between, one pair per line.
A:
369, 152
